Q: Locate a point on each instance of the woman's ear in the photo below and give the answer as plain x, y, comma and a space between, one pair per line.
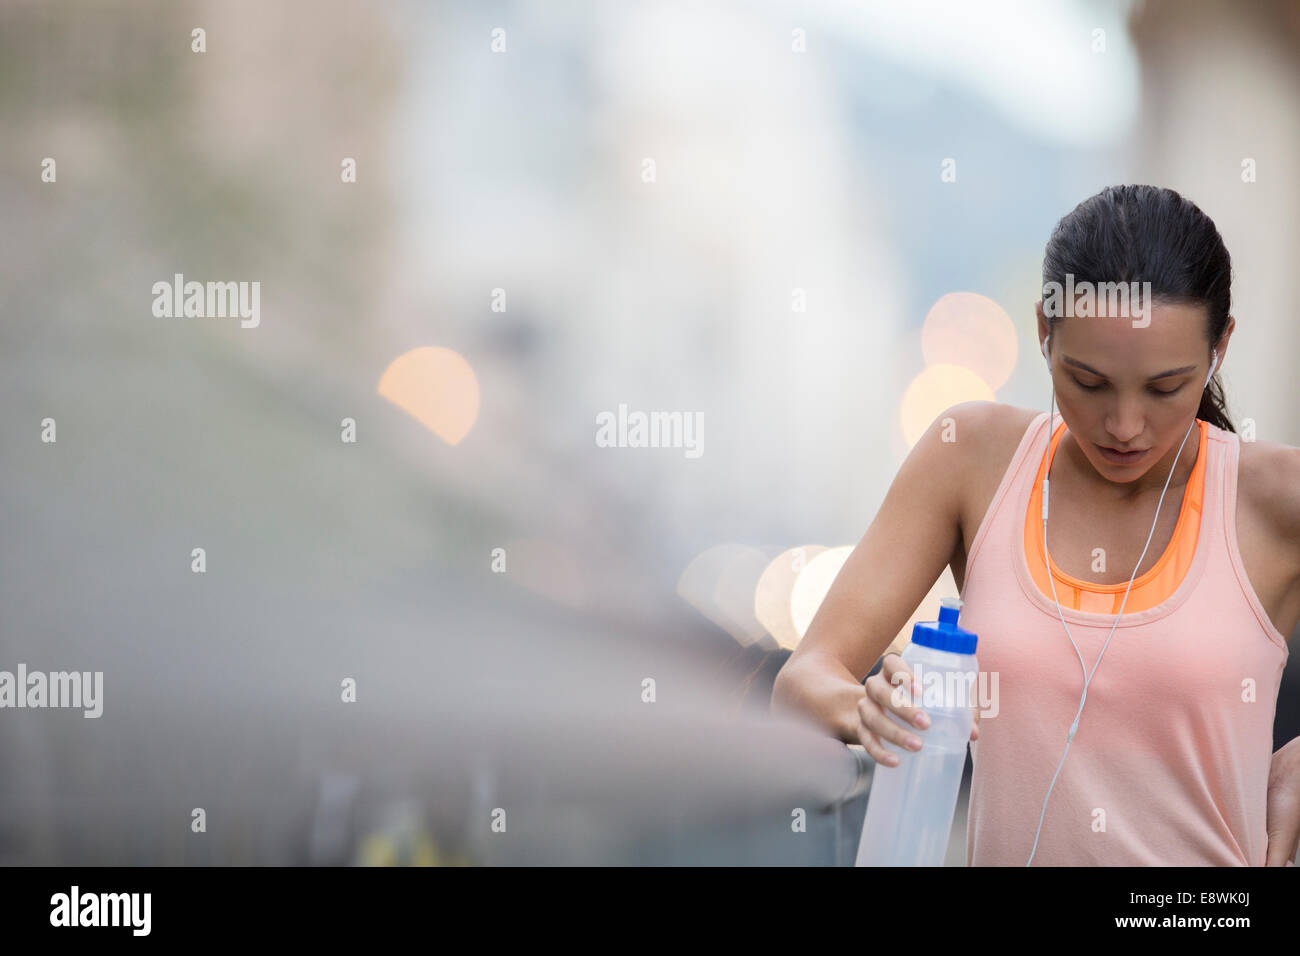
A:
1222, 345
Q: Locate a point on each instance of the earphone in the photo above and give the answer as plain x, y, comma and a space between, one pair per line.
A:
1074, 727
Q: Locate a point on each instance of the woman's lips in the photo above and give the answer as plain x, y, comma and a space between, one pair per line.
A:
1118, 459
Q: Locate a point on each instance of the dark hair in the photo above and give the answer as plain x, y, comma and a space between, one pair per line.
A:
1149, 234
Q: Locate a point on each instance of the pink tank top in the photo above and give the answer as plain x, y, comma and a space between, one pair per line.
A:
1169, 766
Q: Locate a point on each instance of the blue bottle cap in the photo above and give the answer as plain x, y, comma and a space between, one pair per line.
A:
944, 634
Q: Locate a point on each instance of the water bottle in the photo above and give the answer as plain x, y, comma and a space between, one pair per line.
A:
910, 806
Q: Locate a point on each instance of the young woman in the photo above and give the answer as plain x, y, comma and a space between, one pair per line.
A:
1138, 678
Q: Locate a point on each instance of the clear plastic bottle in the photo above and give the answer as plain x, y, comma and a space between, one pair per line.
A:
910, 806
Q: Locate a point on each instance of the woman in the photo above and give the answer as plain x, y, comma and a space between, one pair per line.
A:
1160, 634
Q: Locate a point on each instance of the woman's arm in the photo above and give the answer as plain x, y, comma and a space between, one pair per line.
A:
912, 538
1283, 818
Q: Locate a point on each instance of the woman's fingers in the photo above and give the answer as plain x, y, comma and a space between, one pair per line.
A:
870, 742
872, 746
900, 692
874, 710
896, 689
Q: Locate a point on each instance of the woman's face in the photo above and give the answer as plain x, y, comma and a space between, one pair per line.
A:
1114, 388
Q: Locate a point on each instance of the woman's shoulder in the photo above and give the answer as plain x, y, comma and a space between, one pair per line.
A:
1268, 481
1270, 472
998, 428
995, 430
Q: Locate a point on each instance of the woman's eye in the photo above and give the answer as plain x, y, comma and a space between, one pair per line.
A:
1157, 391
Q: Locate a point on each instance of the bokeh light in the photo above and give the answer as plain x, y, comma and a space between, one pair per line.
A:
934, 389
435, 386
968, 329
812, 584
772, 597
720, 584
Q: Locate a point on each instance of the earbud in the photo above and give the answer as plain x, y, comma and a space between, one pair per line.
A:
1045, 355
1214, 363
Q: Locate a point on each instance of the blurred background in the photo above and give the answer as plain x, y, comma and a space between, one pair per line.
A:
436, 617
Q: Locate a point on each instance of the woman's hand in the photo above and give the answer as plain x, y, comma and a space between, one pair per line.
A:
893, 688
1283, 813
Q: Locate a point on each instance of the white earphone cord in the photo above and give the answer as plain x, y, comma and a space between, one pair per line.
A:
1087, 677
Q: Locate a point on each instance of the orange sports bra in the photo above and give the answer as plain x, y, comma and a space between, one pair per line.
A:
1153, 587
